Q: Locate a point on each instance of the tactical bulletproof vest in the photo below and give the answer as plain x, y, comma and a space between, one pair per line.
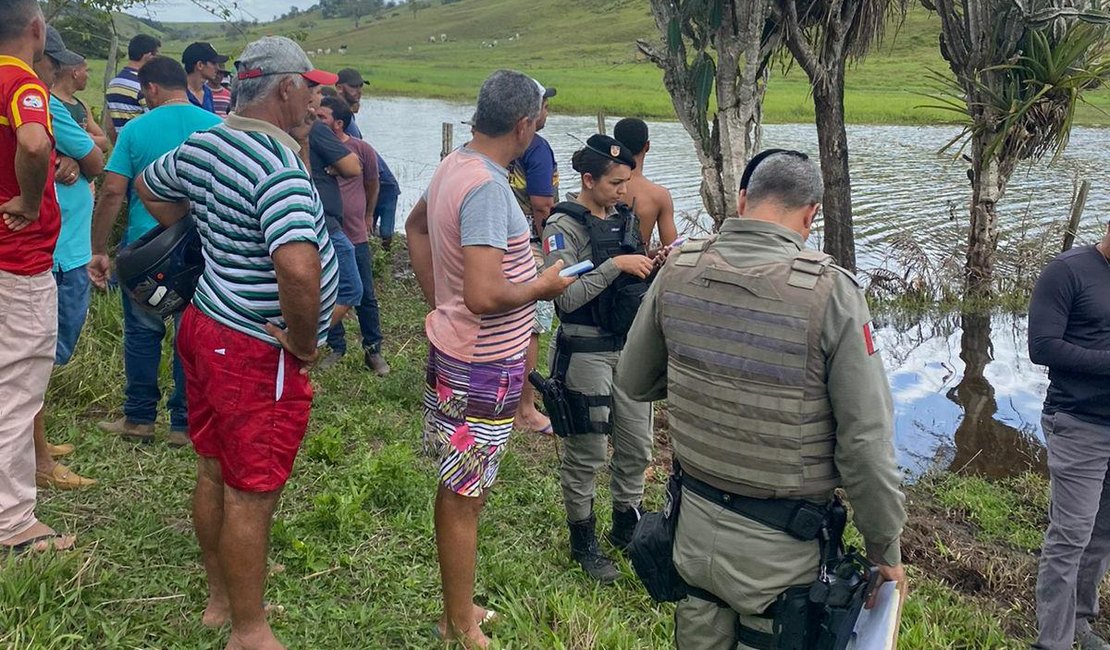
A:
747, 401
618, 234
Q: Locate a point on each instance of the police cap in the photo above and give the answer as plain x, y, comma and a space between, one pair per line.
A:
612, 149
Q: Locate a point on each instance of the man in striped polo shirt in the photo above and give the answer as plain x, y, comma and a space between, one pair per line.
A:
124, 98
468, 241
261, 308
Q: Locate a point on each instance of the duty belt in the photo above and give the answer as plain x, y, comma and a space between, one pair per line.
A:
798, 518
587, 344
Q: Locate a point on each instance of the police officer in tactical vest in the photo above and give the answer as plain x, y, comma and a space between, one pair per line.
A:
595, 313
776, 396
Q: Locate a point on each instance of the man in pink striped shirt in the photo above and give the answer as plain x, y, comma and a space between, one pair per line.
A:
469, 245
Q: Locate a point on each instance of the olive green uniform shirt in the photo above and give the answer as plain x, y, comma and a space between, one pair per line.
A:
857, 383
577, 248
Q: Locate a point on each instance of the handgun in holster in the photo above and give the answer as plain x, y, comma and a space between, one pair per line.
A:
556, 397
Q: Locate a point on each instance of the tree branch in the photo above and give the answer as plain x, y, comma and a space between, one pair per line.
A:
796, 40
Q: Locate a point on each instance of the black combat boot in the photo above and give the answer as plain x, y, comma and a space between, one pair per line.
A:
584, 550
624, 522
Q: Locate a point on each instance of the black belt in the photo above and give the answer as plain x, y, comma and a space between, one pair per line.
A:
575, 344
798, 518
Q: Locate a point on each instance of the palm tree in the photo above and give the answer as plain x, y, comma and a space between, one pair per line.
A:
1019, 74
823, 36
724, 45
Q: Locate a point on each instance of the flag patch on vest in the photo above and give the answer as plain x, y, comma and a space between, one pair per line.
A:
555, 242
869, 339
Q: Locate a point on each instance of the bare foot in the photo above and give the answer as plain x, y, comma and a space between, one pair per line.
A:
480, 615
260, 639
531, 420
216, 614
219, 614
58, 542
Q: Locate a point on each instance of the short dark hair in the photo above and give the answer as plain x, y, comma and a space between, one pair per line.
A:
165, 72
632, 133
329, 91
15, 16
142, 44
340, 109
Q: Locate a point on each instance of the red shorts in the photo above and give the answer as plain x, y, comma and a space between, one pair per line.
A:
234, 414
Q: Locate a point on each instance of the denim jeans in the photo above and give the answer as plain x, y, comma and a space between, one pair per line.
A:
368, 319
73, 308
143, 333
385, 214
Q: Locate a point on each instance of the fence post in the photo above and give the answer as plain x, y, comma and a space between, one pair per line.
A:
448, 136
601, 122
1076, 212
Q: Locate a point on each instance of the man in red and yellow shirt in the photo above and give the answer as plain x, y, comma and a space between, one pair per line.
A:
29, 225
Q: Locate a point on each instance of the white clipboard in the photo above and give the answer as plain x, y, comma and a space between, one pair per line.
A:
877, 628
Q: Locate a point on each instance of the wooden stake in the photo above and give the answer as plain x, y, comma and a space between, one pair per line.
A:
448, 137
601, 122
1076, 213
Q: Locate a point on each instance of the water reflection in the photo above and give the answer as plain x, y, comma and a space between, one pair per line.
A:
986, 445
966, 396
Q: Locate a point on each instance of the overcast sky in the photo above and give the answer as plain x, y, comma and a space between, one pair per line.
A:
187, 11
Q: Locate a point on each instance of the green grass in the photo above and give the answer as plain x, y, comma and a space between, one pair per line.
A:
586, 48
352, 550
1010, 511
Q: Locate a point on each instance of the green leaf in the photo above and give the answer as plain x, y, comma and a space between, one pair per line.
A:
716, 13
704, 73
674, 35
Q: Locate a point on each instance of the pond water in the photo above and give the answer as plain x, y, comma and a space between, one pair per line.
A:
966, 395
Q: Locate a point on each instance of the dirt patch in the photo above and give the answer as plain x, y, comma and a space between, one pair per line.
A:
945, 545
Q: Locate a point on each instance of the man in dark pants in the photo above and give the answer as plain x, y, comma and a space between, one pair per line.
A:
358, 195
1069, 331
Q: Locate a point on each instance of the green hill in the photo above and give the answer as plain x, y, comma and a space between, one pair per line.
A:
587, 49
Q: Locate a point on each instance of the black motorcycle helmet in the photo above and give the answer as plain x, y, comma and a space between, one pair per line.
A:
160, 270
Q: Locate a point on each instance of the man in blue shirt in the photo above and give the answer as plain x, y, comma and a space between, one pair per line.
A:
202, 65
171, 120
71, 253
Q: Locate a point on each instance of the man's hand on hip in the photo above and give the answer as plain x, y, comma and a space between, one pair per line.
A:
307, 358
18, 214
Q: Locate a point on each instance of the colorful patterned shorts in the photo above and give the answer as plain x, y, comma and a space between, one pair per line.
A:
468, 416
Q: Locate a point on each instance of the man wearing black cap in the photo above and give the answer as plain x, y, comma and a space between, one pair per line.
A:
349, 87
202, 65
594, 315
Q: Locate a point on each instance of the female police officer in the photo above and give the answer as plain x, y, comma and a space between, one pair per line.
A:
595, 313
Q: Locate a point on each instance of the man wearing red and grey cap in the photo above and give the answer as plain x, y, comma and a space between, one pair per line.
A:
261, 308
202, 65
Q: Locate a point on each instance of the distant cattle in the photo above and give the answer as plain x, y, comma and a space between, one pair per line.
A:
443, 38
342, 49
319, 50
432, 39
327, 51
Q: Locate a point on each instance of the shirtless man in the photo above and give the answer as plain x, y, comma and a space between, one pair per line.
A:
653, 202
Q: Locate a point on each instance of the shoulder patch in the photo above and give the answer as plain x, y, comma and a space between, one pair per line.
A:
851, 276
689, 253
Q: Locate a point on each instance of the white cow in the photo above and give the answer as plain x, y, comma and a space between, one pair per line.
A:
443, 38
319, 50
432, 39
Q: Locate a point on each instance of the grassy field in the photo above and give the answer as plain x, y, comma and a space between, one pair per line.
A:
352, 551
586, 48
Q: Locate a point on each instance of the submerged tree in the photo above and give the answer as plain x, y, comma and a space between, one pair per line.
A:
722, 45
823, 35
1020, 71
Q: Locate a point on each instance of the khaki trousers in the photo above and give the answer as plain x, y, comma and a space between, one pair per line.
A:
583, 456
742, 562
28, 335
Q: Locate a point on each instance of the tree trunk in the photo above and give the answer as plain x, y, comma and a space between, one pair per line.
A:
726, 141
987, 183
832, 140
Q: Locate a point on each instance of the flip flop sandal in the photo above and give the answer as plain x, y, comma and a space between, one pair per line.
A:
28, 546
